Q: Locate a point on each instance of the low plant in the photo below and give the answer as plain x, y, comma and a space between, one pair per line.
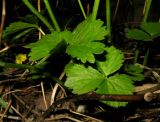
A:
147, 32
83, 43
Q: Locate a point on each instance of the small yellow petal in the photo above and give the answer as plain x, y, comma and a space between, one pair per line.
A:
21, 58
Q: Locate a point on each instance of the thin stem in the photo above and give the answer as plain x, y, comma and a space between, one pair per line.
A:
136, 56
2, 20
44, 96
41, 31
116, 10
146, 10
95, 9
108, 20
34, 11
43, 60
146, 57
82, 9
88, 8
51, 14
39, 10
13, 65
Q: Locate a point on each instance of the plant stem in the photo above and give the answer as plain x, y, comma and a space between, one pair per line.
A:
51, 14
2, 20
146, 57
146, 10
136, 54
34, 11
13, 65
108, 20
95, 9
82, 9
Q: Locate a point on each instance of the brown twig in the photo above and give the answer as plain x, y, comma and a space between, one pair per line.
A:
115, 12
11, 80
43, 94
16, 118
92, 96
2, 19
152, 89
23, 103
62, 116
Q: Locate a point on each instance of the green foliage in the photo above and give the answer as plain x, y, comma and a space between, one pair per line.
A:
44, 46
84, 41
4, 104
114, 60
148, 32
152, 28
135, 72
15, 27
82, 79
30, 19
85, 79
138, 35
116, 84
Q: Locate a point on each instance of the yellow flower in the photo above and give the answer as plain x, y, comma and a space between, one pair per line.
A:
21, 58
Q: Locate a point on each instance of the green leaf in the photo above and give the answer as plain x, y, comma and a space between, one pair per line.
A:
134, 72
114, 60
117, 84
86, 39
4, 104
85, 79
66, 35
30, 18
19, 35
85, 51
138, 35
153, 28
43, 47
82, 79
17, 26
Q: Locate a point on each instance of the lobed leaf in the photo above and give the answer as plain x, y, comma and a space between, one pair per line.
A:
85, 79
85, 38
153, 28
113, 62
117, 84
30, 18
138, 35
82, 79
43, 47
16, 27
85, 51
22, 33
134, 72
